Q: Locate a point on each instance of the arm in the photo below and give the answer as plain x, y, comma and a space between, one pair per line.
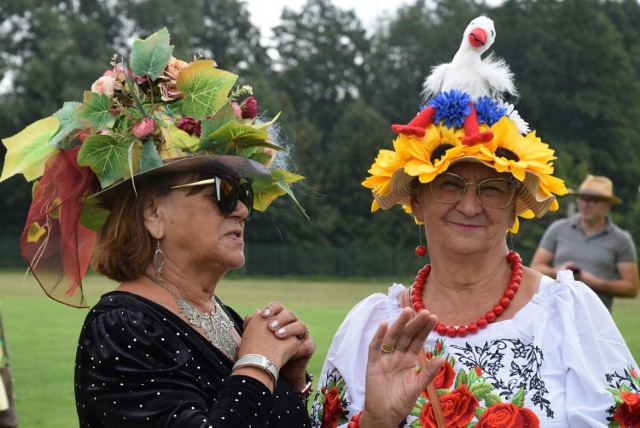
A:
542, 262
625, 286
134, 369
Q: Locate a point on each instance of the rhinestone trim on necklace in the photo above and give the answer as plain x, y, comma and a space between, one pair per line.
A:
482, 322
216, 325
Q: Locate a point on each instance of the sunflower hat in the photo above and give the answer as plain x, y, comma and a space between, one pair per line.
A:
466, 118
148, 114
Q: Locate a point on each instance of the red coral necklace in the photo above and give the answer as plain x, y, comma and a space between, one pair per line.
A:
482, 322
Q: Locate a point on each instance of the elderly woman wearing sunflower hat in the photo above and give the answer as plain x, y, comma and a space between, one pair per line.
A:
519, 348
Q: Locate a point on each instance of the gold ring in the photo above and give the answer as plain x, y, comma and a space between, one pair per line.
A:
400, 349
304, 335
387, 348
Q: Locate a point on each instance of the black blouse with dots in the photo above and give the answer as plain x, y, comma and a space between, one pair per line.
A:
139, 365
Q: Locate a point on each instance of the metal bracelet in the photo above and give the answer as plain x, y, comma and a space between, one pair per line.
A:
257, 360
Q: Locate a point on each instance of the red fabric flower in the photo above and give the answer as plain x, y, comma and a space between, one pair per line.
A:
457, 408
445, 377
249, 108
332, 409
143, 128
190, 126
628, 412
508, 415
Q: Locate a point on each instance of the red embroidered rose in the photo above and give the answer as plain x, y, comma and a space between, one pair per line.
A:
445, 377
628, 412
478, 371
633, 373
355, 421
507, 415
332, 409
457, 407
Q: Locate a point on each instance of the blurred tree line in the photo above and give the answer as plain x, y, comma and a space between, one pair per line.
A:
340, 87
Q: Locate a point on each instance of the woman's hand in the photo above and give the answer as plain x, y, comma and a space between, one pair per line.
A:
393, 383
283, 322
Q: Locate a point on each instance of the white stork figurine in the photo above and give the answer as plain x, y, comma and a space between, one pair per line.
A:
469, 73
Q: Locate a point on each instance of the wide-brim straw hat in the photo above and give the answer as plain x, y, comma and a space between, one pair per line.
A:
598, 187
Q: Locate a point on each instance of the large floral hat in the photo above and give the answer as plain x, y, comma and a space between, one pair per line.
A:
466, 118
148, 114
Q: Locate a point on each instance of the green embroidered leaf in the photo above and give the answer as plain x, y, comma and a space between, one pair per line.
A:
624, 388
461, 378
617, 395
491, 399
518, 399
478, 411
108, 158
416, 424
67, 124
149, 57
29, 149
94, 111
206, 88
480, 389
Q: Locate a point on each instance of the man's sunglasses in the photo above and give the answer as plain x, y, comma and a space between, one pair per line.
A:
229, 190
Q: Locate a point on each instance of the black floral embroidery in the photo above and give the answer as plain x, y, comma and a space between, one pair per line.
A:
524, 370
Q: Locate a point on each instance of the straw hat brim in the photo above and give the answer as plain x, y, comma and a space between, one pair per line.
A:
527, 196
236, 166
613, 199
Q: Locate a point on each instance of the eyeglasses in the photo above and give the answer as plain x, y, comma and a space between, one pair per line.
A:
588, 200
229, 190
449, 188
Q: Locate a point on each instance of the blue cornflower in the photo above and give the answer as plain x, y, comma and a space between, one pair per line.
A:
489, 110
452, 107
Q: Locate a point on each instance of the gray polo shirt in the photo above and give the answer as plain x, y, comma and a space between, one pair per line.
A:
598, 254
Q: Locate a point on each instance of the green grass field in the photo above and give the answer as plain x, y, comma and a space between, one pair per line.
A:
42, 334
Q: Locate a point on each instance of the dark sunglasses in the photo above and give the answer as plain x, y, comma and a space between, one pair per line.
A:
229, 190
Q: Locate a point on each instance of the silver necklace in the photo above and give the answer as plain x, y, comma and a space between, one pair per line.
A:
216, 325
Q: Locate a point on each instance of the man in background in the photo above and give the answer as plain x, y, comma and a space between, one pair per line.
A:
599, 253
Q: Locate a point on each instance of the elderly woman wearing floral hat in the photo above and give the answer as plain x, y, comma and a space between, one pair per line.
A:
520, 349
152, 179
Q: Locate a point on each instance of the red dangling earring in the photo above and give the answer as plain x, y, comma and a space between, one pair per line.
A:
421, 250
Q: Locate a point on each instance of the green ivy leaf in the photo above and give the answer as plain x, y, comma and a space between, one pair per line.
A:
206, 88
29, 149
238, 136
150, 157
67, 124
149, 57
93, 215
94, 111
108, 158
